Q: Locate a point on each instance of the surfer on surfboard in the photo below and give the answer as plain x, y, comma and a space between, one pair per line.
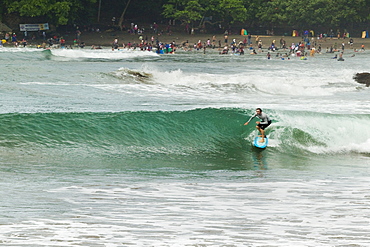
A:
261, 125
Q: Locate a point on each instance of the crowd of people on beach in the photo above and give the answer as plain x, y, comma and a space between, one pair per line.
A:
43, 41
309, 45
12, 38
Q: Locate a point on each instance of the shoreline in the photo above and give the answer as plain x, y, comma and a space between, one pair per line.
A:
105, 39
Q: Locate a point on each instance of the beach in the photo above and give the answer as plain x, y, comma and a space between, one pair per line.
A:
106, 38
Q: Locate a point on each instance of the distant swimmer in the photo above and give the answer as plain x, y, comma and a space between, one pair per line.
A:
341, 57
263, 124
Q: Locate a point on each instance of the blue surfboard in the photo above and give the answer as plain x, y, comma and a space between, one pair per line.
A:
259, 144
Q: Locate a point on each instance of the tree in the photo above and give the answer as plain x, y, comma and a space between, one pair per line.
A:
313, 13
185, 11
228, 11
58, 12
120, 21
326, 14
232, 11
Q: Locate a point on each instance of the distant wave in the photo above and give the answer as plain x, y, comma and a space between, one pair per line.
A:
19, 49
266, 83
103, 54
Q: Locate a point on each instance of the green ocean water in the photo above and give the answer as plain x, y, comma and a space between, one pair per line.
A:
214, 136
128, 148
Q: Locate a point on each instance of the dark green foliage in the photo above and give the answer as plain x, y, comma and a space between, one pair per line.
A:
57, 12
293, 13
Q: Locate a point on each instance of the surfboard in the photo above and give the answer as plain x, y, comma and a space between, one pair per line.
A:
259, 144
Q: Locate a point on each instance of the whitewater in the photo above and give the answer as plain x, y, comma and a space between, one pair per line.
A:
132, 148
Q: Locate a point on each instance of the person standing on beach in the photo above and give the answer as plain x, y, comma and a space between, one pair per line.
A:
155, 27
260, 46
7, 37
78, 35
115, 44
350, 42
14, 38
261, 125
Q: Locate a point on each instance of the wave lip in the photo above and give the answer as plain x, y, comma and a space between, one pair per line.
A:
321, 133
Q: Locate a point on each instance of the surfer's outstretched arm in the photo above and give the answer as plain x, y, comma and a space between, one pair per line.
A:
250, 119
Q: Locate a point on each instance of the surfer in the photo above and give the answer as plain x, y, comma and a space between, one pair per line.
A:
261, 125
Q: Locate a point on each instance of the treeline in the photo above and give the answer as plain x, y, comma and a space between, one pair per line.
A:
317, 14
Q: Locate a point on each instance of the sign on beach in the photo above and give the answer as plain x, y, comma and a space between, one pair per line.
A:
34, 27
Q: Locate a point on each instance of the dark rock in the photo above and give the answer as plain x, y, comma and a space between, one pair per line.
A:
363, 78
4, 28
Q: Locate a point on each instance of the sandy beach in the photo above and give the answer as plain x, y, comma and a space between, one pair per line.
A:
107, 38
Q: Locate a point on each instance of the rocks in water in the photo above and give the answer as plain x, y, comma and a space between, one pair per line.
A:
363, 78
139, 74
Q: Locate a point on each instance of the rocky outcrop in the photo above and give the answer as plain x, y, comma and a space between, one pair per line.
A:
4, 28
363, 78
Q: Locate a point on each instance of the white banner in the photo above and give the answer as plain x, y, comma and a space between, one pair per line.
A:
34, 27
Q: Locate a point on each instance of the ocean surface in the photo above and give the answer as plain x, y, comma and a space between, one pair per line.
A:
103, 148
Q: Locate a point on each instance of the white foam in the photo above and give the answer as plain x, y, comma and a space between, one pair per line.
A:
263, 83
19, 49
289, 212
45, 83
100, 54
326, 133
